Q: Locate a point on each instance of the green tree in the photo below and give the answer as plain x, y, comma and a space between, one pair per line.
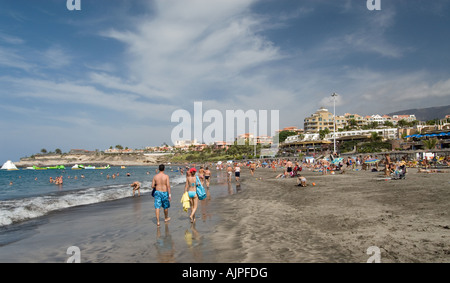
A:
403, 123
323, 133
58, 151
43, 151
282, 136
432, 122
352, 123
119, 146
389, 124
375, 137
430, 143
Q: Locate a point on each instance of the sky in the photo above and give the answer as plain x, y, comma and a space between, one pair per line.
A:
115, 71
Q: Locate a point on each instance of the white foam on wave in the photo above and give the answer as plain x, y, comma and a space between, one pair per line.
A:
13, 211
178, 179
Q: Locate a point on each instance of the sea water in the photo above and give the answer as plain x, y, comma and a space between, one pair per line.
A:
29, 194
40, 220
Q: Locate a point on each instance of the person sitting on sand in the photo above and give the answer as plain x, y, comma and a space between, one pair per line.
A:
136, 187
301, 181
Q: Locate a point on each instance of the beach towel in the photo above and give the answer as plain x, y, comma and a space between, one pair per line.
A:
185, 202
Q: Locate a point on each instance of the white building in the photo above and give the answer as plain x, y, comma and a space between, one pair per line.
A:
388, 134
378, 118
305, 137
185, 143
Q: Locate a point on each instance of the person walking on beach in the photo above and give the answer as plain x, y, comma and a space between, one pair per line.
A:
136, 187
237, 172
252, 168
387, 163
162, 194
201, 175
229, 173
191, 189
289, 166
207, 177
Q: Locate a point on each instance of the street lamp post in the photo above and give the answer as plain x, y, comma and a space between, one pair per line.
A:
334, 124
255, 139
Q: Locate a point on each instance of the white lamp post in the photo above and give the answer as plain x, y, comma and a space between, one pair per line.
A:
255, 139
334, 109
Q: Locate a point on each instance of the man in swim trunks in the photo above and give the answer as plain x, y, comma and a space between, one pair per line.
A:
162, 193
207, 176
252, 168
289, 166
237, 172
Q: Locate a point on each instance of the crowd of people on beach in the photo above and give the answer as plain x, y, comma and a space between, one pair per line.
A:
393, 167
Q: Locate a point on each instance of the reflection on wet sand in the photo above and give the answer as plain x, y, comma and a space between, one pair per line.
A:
234, 190
204, 206
193, 241
165, 246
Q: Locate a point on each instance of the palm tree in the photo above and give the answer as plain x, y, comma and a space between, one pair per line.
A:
352, 123
375, 137
323, 133
430, 144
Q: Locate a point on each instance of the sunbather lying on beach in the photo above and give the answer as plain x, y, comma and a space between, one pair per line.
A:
420, 170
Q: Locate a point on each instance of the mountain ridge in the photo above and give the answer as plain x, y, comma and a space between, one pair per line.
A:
425, 114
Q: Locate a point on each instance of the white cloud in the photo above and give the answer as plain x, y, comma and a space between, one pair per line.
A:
10, 58
10, 39
72, 94
189, 47
55, 57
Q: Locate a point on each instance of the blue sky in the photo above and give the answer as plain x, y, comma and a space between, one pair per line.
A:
114, 72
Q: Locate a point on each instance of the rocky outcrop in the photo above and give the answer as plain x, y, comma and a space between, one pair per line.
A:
93, 159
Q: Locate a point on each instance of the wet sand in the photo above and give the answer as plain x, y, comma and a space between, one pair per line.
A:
273, 220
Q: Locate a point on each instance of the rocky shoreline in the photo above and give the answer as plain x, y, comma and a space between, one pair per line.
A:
93, 159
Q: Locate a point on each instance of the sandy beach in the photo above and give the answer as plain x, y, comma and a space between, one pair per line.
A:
264, 220
337, 220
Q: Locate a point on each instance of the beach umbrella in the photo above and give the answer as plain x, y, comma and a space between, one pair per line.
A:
264, 163
337, 160
442, 134
408, 136
433, 135
371, 161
